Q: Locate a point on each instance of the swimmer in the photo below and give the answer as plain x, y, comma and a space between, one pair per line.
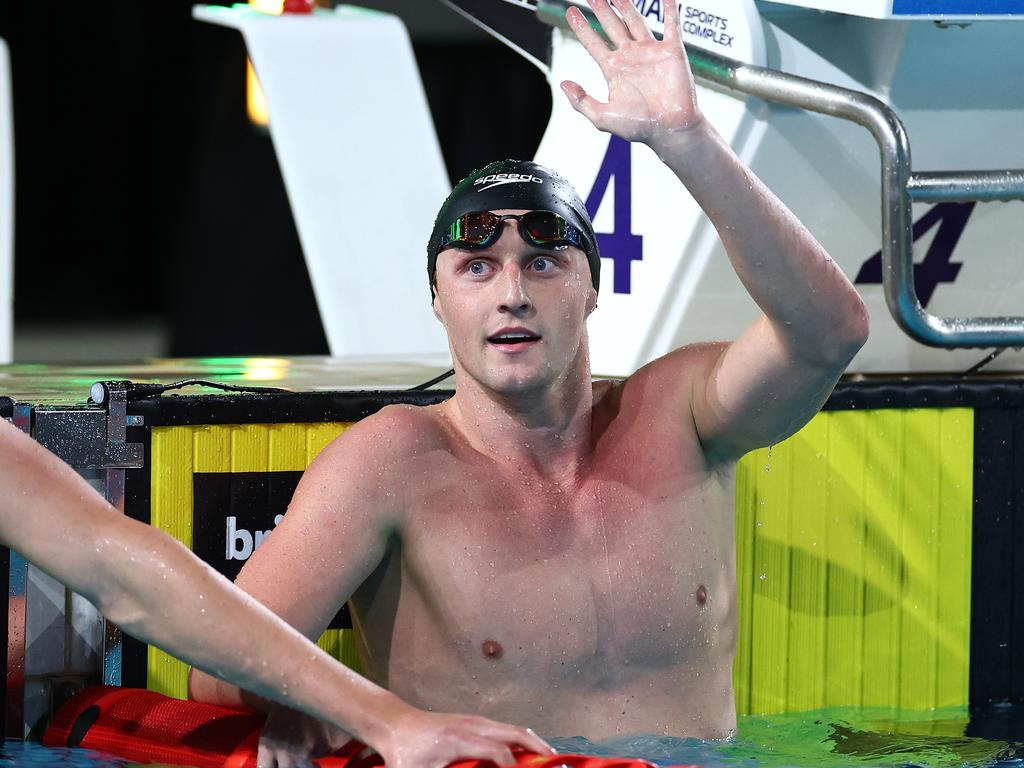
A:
541, 548
155, 589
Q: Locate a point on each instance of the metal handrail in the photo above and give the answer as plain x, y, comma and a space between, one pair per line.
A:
966, 186
900, 187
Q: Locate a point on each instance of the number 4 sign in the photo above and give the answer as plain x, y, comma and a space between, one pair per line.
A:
938, 265
620, 245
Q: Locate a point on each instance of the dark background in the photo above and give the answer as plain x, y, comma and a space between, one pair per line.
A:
142, 191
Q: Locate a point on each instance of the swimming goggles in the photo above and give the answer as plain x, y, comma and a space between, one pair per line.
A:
543, 229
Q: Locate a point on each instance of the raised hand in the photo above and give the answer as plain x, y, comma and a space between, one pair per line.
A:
650, 87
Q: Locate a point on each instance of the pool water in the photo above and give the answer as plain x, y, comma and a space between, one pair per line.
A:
828, 737
16, 753
839, 737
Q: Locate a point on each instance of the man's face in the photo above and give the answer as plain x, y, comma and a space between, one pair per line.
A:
515, 313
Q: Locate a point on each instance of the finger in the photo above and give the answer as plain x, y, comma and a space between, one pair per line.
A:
635, 23
485, 749
672, 34
528, 740
610, 22
587, 35
511, 734
582, 102
268, 756
265, 757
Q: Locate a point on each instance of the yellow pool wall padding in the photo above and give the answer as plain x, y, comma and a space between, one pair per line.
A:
853, 553
854, 564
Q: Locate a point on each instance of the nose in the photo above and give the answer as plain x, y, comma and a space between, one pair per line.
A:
515, 297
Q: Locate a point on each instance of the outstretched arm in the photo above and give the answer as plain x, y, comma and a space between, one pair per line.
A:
769, 382
158, 591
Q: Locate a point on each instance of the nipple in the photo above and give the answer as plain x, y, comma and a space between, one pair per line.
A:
701, 595
492, 649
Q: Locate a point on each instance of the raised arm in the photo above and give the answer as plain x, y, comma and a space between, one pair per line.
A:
769, 382
158, 591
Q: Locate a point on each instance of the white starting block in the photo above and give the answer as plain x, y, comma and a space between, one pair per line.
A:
361, 163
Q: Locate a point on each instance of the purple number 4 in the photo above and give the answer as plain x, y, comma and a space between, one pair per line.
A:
620, 245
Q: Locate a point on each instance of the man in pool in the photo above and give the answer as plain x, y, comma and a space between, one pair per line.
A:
542, 549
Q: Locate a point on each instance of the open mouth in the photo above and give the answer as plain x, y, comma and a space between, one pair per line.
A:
513, 338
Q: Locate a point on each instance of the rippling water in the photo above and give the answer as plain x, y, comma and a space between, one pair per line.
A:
16, 753
838, 737
833, 737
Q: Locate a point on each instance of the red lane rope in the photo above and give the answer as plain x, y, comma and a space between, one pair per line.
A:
149, 727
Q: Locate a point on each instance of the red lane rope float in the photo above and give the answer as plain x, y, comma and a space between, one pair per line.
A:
145, 726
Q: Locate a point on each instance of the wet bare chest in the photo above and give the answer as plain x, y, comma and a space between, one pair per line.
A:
622, 571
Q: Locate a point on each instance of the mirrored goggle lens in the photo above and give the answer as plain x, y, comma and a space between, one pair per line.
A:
546, 227
474, 228
541, 227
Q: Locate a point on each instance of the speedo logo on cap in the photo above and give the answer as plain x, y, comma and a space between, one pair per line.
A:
496, 179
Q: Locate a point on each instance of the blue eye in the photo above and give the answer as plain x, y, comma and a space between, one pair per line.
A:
477, 267
543, 264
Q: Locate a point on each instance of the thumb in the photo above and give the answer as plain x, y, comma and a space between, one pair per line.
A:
582, 102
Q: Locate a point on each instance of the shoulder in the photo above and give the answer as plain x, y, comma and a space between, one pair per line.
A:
401, 431
387, 439
362, 472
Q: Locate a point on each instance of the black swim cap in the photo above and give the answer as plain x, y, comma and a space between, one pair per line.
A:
514, 184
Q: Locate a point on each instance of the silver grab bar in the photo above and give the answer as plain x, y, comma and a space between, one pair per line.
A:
900, 187
966, 186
